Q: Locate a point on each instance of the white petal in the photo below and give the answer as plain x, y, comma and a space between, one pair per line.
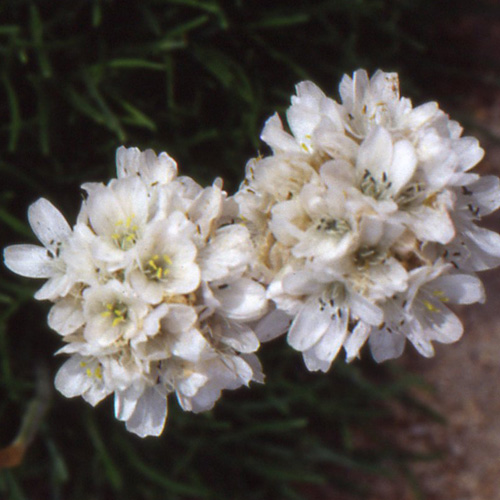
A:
48, 223
189, 386
386, 345
150, 414
179, 318
459, 289
365, 310
66, 316
443, 325
189, 345
469, 153
417, 337
375, 153
244, 299
302, 283
95, 393
309, 326
485, 247
126, 401
31, 261
356, 340
403, 165
228, 252
71, 379
272, 325
57, 286
431, 224
241, 338
274, 135
328, 346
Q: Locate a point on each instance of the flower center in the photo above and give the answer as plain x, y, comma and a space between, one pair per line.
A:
117, 312
375, 188
158, 267
414, 192
125, 235
334, 227
367, 256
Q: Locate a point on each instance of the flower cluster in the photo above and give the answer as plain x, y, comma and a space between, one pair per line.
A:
151, 291
359, 227
365, 220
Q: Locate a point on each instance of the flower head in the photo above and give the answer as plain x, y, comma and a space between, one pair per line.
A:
364, 216
151, 289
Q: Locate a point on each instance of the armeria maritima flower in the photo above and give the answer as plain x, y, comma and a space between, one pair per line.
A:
151, 291
364, 218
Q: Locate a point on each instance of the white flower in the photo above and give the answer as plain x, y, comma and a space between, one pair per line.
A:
34, 261
118, 214
151, 168
165, 263
422, 314
82, 376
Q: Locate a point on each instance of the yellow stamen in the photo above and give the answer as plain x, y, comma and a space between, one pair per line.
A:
431, 307
440, 295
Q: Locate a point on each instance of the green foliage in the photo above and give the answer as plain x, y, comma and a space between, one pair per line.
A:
196, 78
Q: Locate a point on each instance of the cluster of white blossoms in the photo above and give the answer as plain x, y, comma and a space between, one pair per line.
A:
360, 227
151, 291
364, 218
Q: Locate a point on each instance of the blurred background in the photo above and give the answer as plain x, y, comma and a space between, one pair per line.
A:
198, 78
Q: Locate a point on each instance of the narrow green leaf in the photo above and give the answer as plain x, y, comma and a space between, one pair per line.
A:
137, 117
14, 223
135, 64
9, 30
37, 35
183, 29
110, 120
280, 22
159, 477
112, 471
15, 115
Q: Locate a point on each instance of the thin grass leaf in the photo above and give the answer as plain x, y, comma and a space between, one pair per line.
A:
183, 29
291, 493
84, 106
169, 83
207, 6
36, 26
5, 365
112, 471
9, 30
15, 115
276, 473
282, 57
224, 69
42, 118
12, 486
257, 428
59, 468
14, 223
136, 117
110, 120
135, 64
96, 13
322, 454
272, 22
159, 477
